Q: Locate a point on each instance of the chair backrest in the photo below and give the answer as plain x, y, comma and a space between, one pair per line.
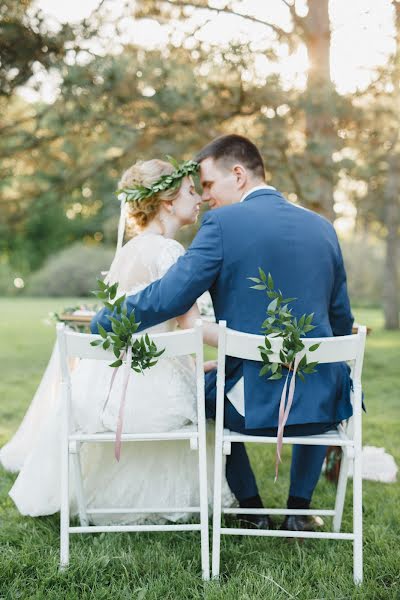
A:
349, 348
175, 343
332, 349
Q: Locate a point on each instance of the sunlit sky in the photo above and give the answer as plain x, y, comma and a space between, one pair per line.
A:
362, 36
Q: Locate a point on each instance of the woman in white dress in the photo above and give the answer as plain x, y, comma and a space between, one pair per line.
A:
163, 398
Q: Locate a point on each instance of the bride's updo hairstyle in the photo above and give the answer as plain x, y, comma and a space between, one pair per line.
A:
145, 173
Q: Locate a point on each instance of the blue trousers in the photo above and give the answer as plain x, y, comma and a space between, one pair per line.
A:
306, 460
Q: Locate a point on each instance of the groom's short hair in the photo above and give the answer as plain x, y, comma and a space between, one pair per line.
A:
231, 149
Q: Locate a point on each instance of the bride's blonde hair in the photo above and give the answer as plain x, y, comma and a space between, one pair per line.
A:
146, 173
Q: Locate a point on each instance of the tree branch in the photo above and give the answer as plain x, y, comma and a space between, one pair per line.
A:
299, 22
189, 4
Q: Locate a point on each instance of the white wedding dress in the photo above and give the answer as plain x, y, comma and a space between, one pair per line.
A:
161, 474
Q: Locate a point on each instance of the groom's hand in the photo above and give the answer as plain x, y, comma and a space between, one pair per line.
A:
210, 365
101, 318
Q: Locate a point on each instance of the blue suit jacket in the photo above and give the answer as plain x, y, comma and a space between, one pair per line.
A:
301, 251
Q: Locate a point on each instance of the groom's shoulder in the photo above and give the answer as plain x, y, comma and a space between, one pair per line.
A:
313, 217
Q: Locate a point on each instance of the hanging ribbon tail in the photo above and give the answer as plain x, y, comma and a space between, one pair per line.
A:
280, 429
292, 388
112, 383
127, 369
282, 423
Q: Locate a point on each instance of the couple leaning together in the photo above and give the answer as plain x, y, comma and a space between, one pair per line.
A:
249, 225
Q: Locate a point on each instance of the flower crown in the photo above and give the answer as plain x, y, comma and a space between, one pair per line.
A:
165, 182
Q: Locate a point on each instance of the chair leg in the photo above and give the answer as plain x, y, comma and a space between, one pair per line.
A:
205, 546
216, 545
357, 517
341, 491
64, 510
80, 495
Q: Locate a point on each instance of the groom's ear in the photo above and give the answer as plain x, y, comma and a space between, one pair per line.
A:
240, 174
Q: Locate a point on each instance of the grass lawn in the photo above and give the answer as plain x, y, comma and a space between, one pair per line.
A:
167, 566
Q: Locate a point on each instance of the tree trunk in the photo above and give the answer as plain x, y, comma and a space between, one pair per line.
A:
391, 216
391, 306
320, 129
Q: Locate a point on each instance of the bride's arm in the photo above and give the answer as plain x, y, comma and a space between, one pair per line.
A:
210, 330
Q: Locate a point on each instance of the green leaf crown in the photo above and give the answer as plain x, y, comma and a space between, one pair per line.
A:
165, 182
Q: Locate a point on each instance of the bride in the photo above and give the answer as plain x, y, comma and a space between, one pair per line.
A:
164, 398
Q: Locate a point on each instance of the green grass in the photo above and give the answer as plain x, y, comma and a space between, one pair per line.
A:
167, 566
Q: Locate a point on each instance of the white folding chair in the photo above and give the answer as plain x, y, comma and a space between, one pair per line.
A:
348, 436
178, 343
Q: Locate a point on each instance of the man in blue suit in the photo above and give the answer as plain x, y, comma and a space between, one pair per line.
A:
252, 225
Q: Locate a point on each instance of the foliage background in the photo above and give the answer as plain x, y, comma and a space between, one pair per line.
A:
112, 101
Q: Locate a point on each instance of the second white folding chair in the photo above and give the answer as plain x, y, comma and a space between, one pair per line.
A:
346, 348
178, 343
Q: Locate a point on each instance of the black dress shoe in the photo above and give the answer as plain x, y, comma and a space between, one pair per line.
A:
301, 523
254, 521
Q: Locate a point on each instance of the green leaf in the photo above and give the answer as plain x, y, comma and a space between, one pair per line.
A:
102, 286
275, 376
312, 364
255, 279
267, 343
258, 287
173, 161
264, 370
106, 344
314, 347
303, 362
126, 321
270, 282
96, 342
272, 306
262, 275
102, 331
117, 363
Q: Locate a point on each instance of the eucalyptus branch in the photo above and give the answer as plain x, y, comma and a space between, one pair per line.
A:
280, 323
144, 351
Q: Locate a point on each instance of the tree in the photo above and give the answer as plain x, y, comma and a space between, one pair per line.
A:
62, 162
317, 111
375, 138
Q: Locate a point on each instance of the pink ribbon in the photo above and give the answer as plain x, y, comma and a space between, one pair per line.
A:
127, 369
284, 411
121, 357
122, 405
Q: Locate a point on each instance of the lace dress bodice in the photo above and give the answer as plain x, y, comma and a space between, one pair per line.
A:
142, 260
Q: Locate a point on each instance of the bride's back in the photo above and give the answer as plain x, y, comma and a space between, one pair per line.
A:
142, 260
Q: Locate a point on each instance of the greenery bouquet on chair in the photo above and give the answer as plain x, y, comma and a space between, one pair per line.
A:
140, 355
281, 323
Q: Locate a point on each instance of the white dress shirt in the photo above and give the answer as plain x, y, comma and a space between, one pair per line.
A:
236, 394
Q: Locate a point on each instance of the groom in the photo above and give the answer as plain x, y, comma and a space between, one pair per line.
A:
252, 225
